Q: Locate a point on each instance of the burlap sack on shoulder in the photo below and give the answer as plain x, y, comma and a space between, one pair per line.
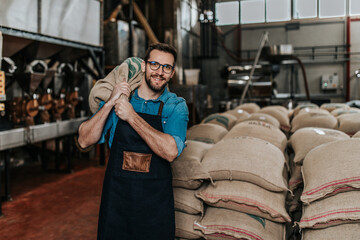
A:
128, 71
206, 132
332, 106
313, 119
186, 169
247, 198
221, 224
349, 123
331, 168
356, 135
280, 113
247, 159
263, 117
185, 201
184, 226
338, 209
249, 107
340, 111
258, 129
303, 106
305, 139
350, 231
239, 114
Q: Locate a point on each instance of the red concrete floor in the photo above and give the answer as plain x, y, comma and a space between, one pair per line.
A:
53, 206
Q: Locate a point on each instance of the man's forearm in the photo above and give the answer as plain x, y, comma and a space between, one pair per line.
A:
161, 144
91, 130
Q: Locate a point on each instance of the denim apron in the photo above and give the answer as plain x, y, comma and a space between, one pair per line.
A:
136, 205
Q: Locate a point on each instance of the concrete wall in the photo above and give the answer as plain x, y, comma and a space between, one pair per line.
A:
309, 34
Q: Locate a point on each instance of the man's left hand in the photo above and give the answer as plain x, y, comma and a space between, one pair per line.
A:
124, 110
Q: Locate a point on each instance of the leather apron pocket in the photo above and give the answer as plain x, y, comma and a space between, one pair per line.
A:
136, 162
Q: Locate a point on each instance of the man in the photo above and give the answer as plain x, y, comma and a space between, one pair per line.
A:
146, 134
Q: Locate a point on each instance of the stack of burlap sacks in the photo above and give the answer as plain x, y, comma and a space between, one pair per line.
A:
326, 171
236, 172
239, 176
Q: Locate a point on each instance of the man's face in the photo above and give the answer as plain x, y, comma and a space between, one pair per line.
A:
157, 79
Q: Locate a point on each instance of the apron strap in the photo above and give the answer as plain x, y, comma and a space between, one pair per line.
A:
160, 108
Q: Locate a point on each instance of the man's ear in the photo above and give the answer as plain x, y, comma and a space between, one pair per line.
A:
143, 66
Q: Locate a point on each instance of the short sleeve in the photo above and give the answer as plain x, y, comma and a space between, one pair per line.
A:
176, 124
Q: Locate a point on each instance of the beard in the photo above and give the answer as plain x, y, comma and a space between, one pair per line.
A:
157, 89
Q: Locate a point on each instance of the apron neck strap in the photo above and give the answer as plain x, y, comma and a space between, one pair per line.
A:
160, 108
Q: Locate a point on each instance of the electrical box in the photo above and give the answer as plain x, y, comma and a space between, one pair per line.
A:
329, 82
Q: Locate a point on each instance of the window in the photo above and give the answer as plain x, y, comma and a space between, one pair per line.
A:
252, 11
278, 10
227, 13
332, 8
354, 7
305, 9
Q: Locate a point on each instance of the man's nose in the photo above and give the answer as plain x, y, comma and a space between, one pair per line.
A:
160, 71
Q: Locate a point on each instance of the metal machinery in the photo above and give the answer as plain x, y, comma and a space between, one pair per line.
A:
261, 85
50, 52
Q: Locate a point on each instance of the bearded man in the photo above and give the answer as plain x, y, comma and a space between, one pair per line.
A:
147, 132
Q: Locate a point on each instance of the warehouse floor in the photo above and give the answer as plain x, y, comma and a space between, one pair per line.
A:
53, 206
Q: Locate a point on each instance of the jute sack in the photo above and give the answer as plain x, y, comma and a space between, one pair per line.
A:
356, 135
195, 149
331, 168
280, 113
312, 110
296, 178
305, 139
338, 209
184, 226
263, 118
247, 159
349, 123
350, 231
332, 106
185, 201
303, 106
340, 111
186, 169
249, 107
207, 132
247, 198
225, 120
313, 119
293, 201
220, 224
232, 119
258, 129
239, 114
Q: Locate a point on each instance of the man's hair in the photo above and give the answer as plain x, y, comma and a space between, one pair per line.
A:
161, 47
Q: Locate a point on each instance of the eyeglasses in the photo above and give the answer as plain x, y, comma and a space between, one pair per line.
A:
167, 68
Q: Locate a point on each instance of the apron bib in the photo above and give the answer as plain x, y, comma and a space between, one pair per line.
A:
137, 198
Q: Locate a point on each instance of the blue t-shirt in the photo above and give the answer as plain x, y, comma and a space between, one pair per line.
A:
174, 118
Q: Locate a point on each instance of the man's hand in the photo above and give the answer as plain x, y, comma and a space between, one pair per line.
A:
120, 88
124, 110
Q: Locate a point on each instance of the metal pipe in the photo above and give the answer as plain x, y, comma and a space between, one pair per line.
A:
264, 39
149, 32
131, 28
347, 96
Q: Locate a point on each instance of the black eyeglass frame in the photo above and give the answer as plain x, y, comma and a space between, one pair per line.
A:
160, 65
